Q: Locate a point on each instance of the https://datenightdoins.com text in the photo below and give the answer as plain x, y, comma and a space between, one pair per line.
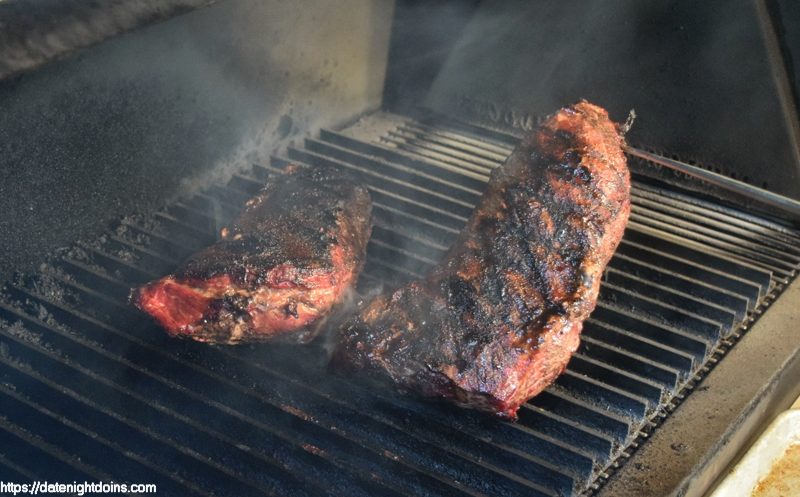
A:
75, 488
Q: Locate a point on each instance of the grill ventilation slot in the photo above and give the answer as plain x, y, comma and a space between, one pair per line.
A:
91, 389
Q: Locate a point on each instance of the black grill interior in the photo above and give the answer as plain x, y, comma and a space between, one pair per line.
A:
92, 389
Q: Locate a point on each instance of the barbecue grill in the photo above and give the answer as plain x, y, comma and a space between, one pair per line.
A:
693, 345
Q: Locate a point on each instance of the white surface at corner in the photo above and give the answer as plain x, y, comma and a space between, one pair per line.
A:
767, 450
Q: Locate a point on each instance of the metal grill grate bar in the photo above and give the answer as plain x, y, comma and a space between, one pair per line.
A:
652, 349
271, 420
669, 262
32, 453
247, 433
528, 471
14, 472
456, 142
711, 225
173, 431
92, 447
672, 297
701, 290
470, 173
638, 365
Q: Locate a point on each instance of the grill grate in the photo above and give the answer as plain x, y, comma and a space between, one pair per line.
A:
91, 389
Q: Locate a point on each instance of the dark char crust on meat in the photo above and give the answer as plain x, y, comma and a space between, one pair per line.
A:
499, 317
293, 253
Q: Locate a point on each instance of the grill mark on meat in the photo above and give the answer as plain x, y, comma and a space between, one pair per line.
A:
496, 321
293, 253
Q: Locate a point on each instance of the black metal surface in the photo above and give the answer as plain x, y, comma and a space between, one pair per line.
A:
34, 33
91, 389
138, 120
783, 204
713, 86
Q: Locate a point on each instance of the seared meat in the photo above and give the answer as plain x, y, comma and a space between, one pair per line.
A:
499, 318
291, 255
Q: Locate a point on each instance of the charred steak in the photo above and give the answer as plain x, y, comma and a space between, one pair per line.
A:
280, 267
498, 319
